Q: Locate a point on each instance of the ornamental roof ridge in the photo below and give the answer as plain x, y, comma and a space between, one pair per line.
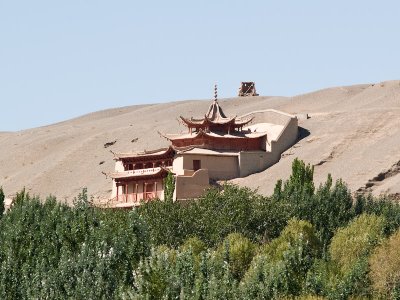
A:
154, 152
220, 120
200, 132
215, 111
139, 173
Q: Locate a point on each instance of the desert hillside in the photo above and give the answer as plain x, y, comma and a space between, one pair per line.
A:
353, 133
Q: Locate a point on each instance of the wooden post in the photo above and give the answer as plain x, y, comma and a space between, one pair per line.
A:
126, 192
155, 187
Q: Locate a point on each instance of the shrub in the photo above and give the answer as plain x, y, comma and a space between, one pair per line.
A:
169, 187
294, 231
280, 270
195, 245
210, 218
160, 277
2, 198
385, 207
240, 252
385, 268
356, 240
50, 250
331, 207
327, 208
346, 273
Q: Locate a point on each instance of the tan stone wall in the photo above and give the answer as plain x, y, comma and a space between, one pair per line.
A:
269, 116
187, 187
253, 162
287, 138
219, 167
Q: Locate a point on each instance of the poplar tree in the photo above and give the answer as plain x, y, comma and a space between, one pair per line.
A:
2, 197
169, 187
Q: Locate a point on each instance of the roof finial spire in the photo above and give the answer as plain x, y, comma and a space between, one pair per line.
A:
215, 93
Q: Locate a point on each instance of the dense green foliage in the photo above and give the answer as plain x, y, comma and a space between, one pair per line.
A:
169, 187
346, 272
2, 203
49, 250
302, 242
385, 268
212, 217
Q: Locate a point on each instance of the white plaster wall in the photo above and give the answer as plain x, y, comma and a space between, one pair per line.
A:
113, 190
177, 165
119, 166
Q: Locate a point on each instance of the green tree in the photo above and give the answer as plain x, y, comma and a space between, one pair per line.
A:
2, 203
169, 187
50, 250
383, 206
299, 187
327, 208
170, 274
330, 208
385, 268
210, 218
356, 240
194, 244
280, 269
240, 251
345, 274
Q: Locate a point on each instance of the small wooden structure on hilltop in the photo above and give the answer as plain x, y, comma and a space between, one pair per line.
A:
247, 89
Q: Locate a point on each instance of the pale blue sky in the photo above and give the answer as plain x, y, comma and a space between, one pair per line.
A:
61, 59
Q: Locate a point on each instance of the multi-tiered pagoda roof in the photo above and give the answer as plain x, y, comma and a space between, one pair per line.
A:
216, 120
217, 131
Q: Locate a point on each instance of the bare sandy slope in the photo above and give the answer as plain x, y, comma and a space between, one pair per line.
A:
353, 133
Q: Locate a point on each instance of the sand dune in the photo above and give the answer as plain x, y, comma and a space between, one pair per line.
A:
353, 133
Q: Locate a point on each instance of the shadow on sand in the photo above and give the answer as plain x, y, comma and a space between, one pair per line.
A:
303, 133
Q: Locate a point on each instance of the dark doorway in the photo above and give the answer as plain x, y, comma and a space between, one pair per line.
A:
196, 164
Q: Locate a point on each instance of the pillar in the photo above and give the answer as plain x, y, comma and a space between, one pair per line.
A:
126, 192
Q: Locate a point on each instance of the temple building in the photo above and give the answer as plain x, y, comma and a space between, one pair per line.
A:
215, 147
140, 176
